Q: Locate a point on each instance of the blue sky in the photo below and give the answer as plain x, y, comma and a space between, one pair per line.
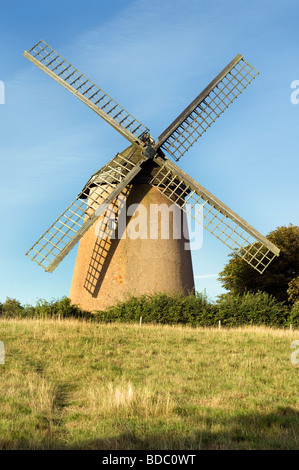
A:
153, 58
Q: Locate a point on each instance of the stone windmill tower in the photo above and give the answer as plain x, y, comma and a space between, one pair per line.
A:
109, 267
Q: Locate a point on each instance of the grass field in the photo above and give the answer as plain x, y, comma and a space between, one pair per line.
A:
76, 385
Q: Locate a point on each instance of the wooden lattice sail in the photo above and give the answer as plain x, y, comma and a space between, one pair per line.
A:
145, 164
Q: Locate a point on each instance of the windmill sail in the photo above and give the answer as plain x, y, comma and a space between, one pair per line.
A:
206, 108
215, 216
44, 57
114, 178
80, 215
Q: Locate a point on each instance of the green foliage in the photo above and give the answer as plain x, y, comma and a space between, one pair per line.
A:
239, 277
194, 310
294, 315
11, 308
293, 290
252, 309
162, 308
56, 308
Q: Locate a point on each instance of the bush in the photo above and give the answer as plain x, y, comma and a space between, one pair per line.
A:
164, 309
194, 310
294, 315
11, 308
57, 308
293, 290
252, 309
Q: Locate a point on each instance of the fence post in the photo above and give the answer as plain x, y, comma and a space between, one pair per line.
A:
219, 325
140, 321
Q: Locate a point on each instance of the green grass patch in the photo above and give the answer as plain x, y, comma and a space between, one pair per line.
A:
73, 384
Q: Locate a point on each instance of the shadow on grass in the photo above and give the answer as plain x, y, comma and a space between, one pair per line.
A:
278, 431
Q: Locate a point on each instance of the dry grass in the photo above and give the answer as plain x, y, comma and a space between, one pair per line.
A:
73, 384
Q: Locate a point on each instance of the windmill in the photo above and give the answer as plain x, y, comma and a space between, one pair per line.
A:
106, 269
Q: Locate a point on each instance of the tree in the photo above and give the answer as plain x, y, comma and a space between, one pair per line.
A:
293, 290
11, 308
239, 277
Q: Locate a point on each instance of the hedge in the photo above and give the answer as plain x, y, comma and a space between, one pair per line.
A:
194, 310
